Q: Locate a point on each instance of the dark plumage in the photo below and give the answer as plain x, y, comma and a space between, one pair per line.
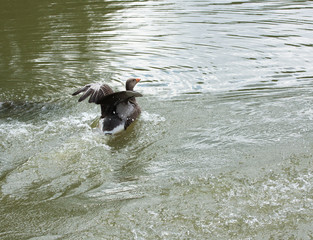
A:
118, 109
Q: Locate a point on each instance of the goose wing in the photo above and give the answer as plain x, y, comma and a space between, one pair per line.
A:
114, 99
96, 92
109, 102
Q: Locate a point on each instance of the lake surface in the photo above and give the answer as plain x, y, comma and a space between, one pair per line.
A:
223, 148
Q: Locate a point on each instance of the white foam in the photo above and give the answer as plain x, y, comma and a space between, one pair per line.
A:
152, 117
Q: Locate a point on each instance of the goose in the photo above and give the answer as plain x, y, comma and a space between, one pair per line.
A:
118, 109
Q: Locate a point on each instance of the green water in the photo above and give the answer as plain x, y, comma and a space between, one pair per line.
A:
223, 147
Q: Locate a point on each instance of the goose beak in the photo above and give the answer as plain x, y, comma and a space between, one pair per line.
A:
138, 79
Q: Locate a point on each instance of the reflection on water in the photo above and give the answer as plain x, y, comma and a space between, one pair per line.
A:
223, 147
181, 47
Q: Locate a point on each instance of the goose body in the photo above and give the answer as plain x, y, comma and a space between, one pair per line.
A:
118, 109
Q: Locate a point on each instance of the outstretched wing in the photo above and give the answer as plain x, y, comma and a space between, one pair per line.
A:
96, 92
